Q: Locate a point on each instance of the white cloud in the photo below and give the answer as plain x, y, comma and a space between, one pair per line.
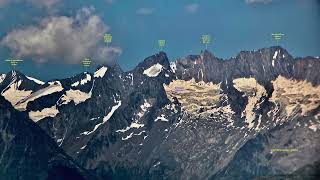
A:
3, 2
63, 39
39, 3
258, 1
145, 11
46, 3
110, 1
192, 8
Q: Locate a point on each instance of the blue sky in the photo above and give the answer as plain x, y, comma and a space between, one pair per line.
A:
136, 26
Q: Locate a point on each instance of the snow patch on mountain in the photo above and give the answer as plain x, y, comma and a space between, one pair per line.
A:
84, 133
13, 94
275, 57
113, 109
194, 95
295, 95
128, 137
254, 91
314, 127
52, 88
82, 81
46, 112
35, 80
275, 54
173, 66
106, 118
74, 95
2, 77
136, 125
153, 71
157, 164
222, 109
132, 134
161, 118
144, 108
130, 76
133, 125
100, 72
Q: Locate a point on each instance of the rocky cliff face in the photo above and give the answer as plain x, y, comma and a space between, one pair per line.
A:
264, 65
28, 153
199, 117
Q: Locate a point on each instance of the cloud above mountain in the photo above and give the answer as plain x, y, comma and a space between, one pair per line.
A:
258, 1
145, 11
3, 2
39, 3
63, 39
192, 8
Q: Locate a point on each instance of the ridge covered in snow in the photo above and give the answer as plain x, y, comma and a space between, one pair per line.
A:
100, 72
35, 80
82, 81
52, 88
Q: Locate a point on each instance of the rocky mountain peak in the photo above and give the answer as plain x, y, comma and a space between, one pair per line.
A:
159, 58
21, 143
263, 64
152, 120
2, 77
15, 74
207, 55
156, 67
265, 55
18, 80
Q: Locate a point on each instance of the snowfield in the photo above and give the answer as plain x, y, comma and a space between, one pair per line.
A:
35, 80
83, 81
154, 70
52, 88
100, 72
46, 112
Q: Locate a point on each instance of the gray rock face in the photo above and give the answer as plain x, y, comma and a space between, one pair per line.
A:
264, 65
13, 77
28, 153
261, 158
199, 117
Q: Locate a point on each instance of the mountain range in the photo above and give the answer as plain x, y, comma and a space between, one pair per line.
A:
253, 116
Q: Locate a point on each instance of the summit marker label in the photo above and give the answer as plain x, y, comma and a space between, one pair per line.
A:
161, 43
277, 37
86, 63
206, 39
107, 38
14, 62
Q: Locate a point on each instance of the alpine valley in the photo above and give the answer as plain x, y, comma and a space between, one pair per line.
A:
254, 116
